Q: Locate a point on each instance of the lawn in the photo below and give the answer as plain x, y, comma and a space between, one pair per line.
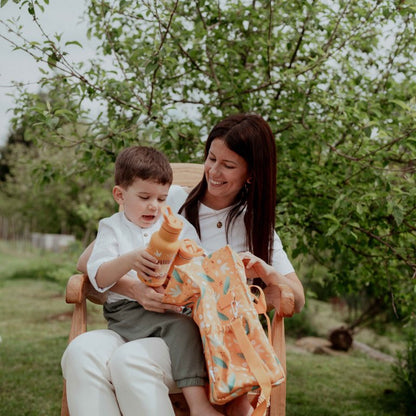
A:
34, 328
319, 385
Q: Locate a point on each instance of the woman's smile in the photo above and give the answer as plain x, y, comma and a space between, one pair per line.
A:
226, 173
216, 182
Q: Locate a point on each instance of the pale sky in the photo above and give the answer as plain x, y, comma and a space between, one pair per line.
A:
61, 16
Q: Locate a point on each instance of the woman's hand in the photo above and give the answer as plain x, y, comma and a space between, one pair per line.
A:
256, 267
150, 298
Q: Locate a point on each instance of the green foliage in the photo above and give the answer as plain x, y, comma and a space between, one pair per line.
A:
50, 272
405, 373
300, 325
23, 261
336, 81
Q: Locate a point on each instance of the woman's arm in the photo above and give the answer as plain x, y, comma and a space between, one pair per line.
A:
84, 257
256, 267
292, 280
151, 298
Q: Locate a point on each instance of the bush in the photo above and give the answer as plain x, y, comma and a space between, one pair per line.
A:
405, 374
300, 325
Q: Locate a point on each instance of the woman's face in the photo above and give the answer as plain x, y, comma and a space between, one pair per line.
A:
226, 173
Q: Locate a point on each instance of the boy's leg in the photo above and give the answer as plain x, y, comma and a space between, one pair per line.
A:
183, 339
240, 406
198, 402
180, 333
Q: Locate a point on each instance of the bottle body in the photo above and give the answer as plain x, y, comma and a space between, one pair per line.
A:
165, 252
164, 245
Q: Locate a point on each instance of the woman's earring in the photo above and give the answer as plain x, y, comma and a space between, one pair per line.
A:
246, 188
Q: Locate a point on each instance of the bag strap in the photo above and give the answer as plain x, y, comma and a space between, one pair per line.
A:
256, 366
259, 299
260, 304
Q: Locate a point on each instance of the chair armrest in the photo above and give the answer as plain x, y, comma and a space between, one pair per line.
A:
281, 298
79, 288
76, 288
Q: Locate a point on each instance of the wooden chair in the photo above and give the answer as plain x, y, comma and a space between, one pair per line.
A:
281, 298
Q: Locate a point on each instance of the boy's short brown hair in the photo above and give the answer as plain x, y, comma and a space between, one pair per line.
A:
144, 163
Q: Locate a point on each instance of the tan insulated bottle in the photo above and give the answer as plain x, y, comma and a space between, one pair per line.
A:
188, 250
164, 245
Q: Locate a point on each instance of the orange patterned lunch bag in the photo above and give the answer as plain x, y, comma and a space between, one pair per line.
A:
238, 353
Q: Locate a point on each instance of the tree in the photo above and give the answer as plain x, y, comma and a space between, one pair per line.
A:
55, 202
334, 79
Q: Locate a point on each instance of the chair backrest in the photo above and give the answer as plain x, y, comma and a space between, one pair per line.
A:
187, 174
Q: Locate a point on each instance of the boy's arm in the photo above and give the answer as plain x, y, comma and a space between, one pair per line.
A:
107, 262
110, 272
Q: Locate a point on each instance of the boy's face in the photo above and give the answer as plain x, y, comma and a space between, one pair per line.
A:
142, 201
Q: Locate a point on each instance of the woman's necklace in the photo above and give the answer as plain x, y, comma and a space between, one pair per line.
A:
220, 221
220, 215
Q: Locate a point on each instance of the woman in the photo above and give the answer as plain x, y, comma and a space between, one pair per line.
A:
233, 204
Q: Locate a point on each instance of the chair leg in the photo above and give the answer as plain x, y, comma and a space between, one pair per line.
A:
278, 400
278, 396
78, 326
64, 406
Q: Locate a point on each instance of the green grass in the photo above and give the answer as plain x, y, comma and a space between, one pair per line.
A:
34, 327
320, 385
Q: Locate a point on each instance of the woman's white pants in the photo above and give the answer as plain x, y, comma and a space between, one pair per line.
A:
107, 377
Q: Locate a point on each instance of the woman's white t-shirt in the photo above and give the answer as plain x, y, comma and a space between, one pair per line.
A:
213, 238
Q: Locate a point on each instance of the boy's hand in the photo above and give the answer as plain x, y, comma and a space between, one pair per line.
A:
144, 263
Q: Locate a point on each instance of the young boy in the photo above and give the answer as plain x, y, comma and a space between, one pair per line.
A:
142, 180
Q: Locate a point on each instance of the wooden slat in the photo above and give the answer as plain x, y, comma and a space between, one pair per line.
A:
187, 174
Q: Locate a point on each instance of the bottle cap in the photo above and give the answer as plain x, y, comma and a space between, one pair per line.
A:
189, 249
171, 223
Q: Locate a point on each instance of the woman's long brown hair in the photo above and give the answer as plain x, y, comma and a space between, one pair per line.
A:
249, 136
